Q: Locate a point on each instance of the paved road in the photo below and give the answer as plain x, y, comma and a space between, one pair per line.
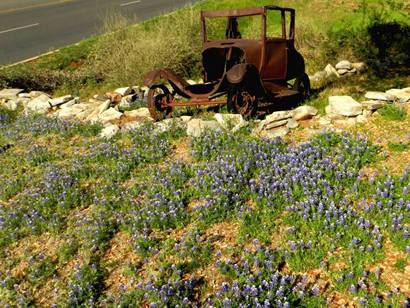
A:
31, 27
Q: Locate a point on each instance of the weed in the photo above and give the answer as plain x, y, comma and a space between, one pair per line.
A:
393, 113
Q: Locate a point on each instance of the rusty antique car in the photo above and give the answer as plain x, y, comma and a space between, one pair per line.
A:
238, 70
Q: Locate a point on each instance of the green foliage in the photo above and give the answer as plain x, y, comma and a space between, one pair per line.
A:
398, 147
393, 113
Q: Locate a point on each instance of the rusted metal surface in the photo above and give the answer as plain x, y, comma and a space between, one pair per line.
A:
243, 70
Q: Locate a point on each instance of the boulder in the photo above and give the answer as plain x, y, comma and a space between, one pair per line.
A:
331, 72
103, 106
126, 102
275, 124
124, 91
71, 111
10, 93
373, 105
109, 131
11, 104
275, 133
278, 116
24, 95
403, 95
186, 119
344, 65
40, 104
230, 121
70, 103
114, 98
367, 113
34, 94
109, 115
60, 100
342, 72
346, 122
325, 121
379, 96
318, 78
142, 112
292, 124
196, 127
345, 106
304, 112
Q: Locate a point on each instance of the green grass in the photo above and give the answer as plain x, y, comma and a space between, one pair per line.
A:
393, 113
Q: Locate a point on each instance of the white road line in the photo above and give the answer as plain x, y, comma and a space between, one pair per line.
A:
19, 28
130, 3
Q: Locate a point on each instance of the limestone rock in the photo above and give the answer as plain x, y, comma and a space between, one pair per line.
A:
292, 124
142, 112
71, 111
342, 72
304, 112
70, 103
109, 131
275, 133
278, 116
403, 95
60, 100
344, 65
196, 127
186, 119
10, 93
373, 105
345, 106
126, 102
230, 121
275, 124
34, 94
379, 96
40, 104
124, 91
325, 121
109, 115
331, 72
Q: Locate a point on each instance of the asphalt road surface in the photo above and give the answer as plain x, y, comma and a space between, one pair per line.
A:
31, 27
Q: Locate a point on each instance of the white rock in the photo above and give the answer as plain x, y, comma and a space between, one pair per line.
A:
70, 103
275, 133
278, 116
11, 104
360, 66
10, 93
24, 95
345, 106
331, 72
373, 105
346, 65
103, 106
123, 91
140, 112
342, 72
275, 124
191, 82
401, 94
229, 121
379, 96
34, 94
130, 126
186, 119
292, 124
318, 77
60, 100
126, 102
325, 121
361, 119
109, 115
71, 111
304, 112
346, 122
109, 131
40, 104
196, 127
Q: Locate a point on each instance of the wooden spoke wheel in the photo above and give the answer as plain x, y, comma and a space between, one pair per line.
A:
243, 102
159, 98
302, 85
